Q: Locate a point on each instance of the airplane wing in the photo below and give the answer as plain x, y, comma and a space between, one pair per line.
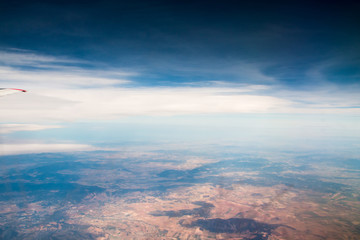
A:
6, 91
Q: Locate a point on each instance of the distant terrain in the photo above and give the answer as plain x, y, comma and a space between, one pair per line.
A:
170, 195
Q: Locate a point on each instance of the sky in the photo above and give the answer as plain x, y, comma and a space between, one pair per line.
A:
119, 66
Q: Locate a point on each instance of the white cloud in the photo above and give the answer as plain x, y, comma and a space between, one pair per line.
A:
30, 70
108, 103
9, 128
60, 104
64, 78
237, 71
325, 99
22, 57
11, 149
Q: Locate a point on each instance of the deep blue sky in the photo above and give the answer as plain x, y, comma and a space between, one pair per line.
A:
172, 42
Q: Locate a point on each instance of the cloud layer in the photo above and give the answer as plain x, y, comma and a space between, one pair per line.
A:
64, 91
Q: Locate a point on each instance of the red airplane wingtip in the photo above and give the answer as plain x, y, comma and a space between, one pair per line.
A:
18, 89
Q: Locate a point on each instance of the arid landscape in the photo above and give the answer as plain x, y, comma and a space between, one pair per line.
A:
152, 195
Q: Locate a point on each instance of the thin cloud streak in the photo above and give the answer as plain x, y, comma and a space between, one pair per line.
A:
22, 57
58, 79
13, 149
35, 71
10, 128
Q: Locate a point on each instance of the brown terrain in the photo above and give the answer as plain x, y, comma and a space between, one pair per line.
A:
293, 214
162, 196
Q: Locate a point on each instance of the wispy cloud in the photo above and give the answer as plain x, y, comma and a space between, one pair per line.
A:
31, 70
67, 78
10, 149
22, 57
324, 99
214, 69
9, 128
